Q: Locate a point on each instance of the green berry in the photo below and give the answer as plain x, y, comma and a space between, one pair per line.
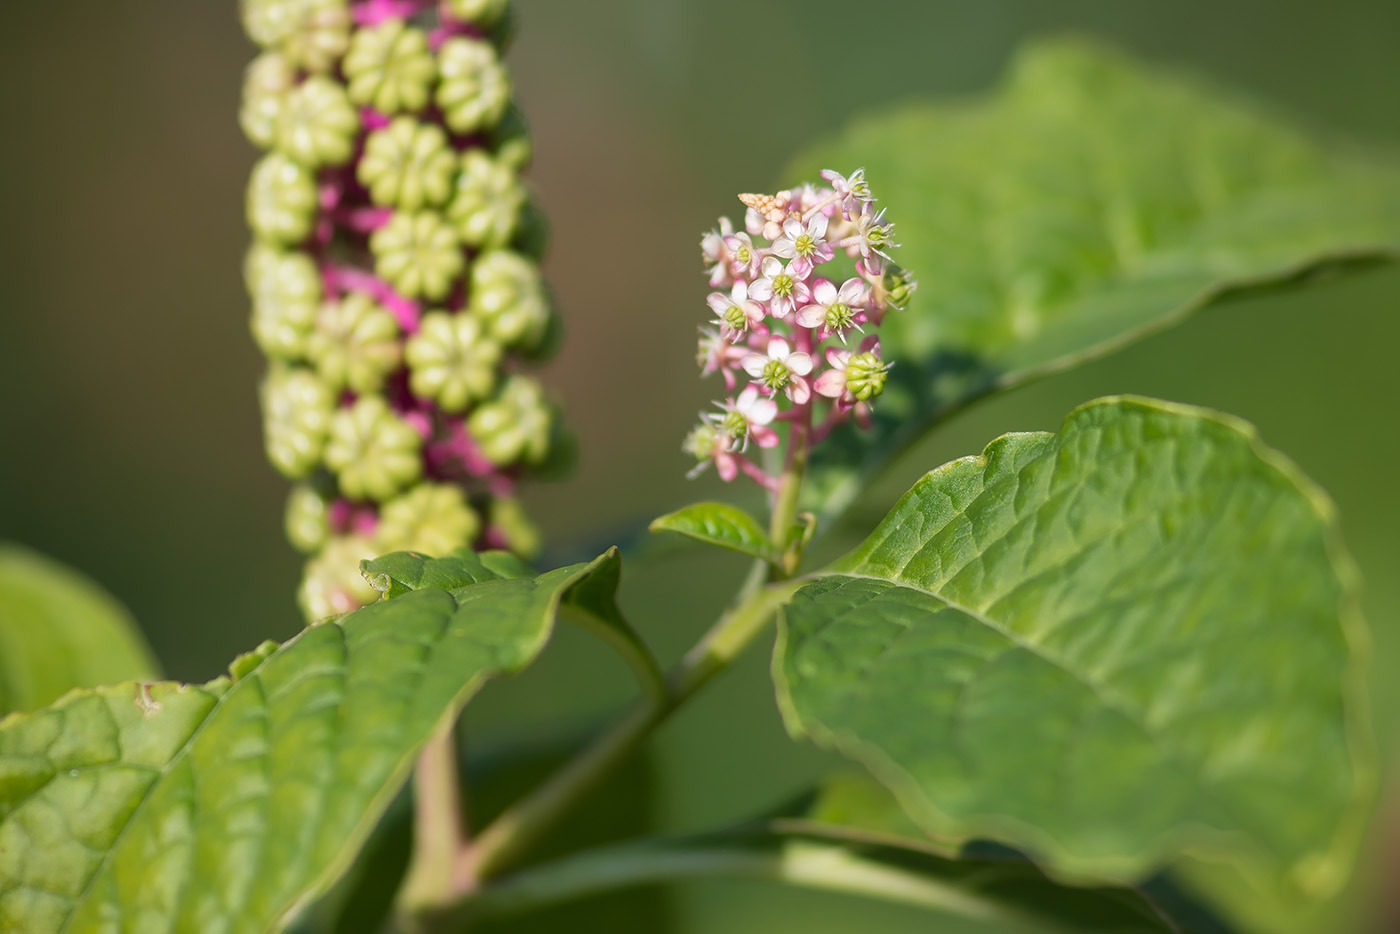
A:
486, 206
321, 36
390, 68
373, 451
703, 441
332, 584
514, 426
286, 292
509, 518
480, 12
475, 89
281, 200
355, 345
511, 140
307, 520
417, 254
431, 518
317, 124
296, 419
866, 376
452, 360
266, 82
508, 294
408, 165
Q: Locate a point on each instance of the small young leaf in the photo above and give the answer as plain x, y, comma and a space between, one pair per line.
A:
1104, 647
720, 524
1091, 202
59, 630
227, 806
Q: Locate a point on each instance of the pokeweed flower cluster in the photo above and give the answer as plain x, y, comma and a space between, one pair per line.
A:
394, 281
803, 341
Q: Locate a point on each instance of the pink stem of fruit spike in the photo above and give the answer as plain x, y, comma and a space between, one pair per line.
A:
374, 12
339, 279
756, 473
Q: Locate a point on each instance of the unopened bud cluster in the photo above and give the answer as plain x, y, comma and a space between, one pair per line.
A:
394, 280
803, 342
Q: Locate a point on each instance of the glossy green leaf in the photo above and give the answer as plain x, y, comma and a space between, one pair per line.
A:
1090, 202
405, 571
801, 847
59, 630
1128, 640
227, 806
720, 524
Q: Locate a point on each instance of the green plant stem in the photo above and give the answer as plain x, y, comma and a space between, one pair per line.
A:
789, 491
508, 837
436, 871
813, 864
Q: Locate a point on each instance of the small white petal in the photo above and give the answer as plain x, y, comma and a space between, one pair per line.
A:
825, 292
837, 357
763, 411
771, 266
798, 390
810, 316
746, 399
792, 228
753, 364
799, 363
762, 290
778, 347
817, 229
740, 293
831, 383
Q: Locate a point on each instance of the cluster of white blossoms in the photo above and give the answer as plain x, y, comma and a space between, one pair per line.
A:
805, 343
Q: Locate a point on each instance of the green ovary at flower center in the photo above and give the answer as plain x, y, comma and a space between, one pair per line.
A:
776, 374
743, 255
783, 285
735, 319
805, 245
734, 425
839, 317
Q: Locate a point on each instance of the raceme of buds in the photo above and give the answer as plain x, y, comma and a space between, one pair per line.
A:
801, 336
394, 281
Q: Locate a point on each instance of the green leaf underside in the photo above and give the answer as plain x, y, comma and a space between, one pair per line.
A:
804, 847
59, 630
1090, 202
720, 524
226, 806
1130, 639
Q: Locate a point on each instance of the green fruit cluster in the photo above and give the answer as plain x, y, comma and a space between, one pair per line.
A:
394, 281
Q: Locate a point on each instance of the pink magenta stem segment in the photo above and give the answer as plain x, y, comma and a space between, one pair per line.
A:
756, 473
340, 279
374, 12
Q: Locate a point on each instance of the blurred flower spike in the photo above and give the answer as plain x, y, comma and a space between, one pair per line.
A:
394, 280
803, 337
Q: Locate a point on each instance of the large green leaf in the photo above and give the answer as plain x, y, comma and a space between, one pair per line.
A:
720, 524
814, 845
1128, 640
1090, 202
59, 630
227, 806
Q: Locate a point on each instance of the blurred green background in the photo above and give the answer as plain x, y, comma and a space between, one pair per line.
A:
130, 442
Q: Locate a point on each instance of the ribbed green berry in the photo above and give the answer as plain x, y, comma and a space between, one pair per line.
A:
515, 425
866, 375
487, 201
475, 89
312, 34
508, 294
373, 452
452, 360
266, 82
509, 518
317, 125
332, 584
480, 12
408, 165
297, 409
431, 518
355, 344
390, 68
281, 200
418, 254
307, 520
286, 292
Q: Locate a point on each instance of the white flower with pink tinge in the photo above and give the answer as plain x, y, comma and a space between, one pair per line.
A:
804, 241
853, 377
783, 287
781, 370
748, 417
835, 311
735, 313
716, 253
852, 192
744, 257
